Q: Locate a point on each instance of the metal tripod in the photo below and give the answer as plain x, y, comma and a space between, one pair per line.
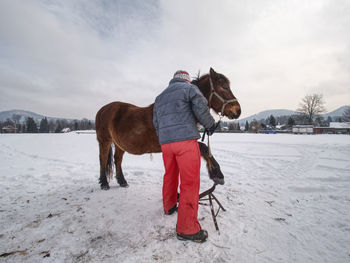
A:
209, 196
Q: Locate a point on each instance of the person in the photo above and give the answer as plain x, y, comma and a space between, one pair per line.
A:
175, 114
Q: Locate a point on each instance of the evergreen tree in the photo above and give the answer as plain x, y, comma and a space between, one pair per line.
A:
231, 126
31, 126
58, 127
84, 124
291, 121
254, 126
246, 128
272, 121
339, 119
9, 122
320, 121
52, 126
44, 126
238, 127
329, 120
76, 125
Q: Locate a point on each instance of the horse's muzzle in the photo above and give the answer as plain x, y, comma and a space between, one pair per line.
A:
235, 115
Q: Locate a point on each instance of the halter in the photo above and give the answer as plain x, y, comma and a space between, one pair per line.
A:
213, 92
221, 114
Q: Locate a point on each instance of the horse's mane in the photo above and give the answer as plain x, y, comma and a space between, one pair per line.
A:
198, 78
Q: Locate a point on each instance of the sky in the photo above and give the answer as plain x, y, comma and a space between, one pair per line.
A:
69, 58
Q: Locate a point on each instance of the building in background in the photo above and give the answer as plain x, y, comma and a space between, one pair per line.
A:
334, 128
303, 129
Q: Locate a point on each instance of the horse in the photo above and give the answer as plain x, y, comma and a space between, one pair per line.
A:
130, 128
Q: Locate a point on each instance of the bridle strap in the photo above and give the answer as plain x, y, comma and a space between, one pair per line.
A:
213, 92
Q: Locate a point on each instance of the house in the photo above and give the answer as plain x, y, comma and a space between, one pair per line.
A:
65, 130
9, 129
302, 129
281, 127
334, 128
339, 125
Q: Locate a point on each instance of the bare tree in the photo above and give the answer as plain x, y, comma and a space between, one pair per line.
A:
311, 106
346, 114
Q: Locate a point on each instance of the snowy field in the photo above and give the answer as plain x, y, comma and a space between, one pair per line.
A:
287, 199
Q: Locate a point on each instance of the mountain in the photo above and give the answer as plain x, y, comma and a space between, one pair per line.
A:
336, 113
4, 115
267, 113
283, 112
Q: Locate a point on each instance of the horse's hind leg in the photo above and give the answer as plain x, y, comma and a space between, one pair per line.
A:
105, 163
118, 158
213, 167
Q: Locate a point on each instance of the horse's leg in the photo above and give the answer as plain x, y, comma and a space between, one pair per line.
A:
105, 163
212, 165
118, 158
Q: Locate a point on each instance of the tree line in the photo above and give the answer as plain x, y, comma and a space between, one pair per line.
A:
288, 122
309, 111
45, 125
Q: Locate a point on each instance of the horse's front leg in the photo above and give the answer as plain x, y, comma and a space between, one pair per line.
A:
212, 165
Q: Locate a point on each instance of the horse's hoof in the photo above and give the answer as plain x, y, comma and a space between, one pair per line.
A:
105, 187
125, 185
219, 180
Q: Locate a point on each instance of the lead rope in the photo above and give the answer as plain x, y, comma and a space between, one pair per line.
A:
208, 142
209, 150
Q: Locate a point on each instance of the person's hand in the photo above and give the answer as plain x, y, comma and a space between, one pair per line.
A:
212, 129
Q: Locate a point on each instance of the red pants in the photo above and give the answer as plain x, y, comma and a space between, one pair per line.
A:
183, 157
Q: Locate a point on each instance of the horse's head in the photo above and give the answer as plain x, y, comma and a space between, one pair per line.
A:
216, 88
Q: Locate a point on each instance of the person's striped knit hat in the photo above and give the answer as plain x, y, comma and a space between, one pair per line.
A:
181, 74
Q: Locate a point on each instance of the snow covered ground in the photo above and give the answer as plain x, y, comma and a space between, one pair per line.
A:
287, 199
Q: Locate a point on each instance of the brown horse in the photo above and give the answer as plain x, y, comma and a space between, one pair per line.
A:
130, 128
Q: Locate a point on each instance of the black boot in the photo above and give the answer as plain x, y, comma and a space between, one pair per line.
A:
172, 210
199, 237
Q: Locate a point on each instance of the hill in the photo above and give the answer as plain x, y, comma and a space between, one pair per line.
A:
4, 115
336, 113
267, 113
284, 112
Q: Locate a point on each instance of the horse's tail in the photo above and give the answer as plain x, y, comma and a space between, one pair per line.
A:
109, 167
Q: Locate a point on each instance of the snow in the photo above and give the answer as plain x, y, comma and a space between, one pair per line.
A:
287, 199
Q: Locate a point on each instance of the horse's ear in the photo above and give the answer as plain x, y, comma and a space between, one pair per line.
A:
213, 74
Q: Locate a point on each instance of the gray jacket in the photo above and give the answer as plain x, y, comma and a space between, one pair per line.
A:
176, 110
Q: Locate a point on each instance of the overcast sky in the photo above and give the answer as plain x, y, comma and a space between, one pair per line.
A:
69, 58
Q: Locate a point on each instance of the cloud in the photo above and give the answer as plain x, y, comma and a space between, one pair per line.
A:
69, 58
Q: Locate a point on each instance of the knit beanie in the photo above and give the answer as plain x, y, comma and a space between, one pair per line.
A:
181, 74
